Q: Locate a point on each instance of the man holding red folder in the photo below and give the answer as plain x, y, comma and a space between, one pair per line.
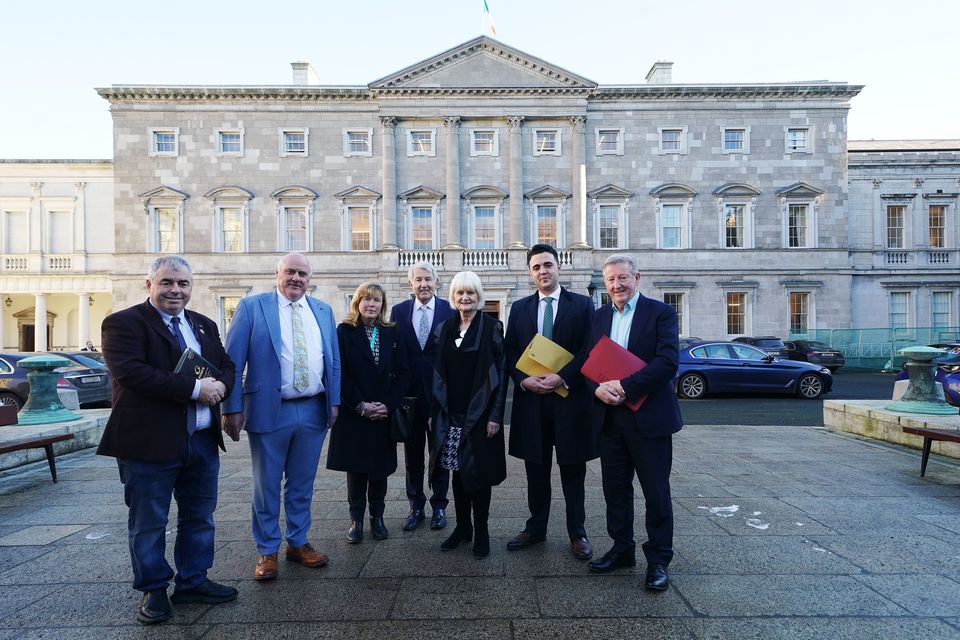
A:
637, 442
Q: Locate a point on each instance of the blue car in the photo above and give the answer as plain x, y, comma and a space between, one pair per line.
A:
716, 366
947, 373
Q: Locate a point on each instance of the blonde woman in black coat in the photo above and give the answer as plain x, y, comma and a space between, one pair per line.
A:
374, 375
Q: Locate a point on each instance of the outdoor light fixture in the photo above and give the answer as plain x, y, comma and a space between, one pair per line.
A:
8, 301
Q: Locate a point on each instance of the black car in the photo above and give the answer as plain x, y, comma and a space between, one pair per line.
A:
89, 359
93, 386
771, 344
815, 352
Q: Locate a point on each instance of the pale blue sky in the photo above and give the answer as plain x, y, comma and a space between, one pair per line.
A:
54, 52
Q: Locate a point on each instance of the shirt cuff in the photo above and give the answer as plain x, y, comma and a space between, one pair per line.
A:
196, 390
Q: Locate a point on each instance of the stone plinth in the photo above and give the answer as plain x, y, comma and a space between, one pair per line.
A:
869, 419
86, 433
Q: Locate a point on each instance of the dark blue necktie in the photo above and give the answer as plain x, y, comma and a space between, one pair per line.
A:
191, 405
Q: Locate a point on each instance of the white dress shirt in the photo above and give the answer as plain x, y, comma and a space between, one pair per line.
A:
203, 411
311, 334
542, 306
420, 309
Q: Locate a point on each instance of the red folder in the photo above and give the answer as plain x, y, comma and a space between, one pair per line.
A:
609, 361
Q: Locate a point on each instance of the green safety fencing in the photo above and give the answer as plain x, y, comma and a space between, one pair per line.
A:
877, 348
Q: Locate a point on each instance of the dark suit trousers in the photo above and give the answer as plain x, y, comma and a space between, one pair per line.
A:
191, 479
623, 453
572, 478
361, 488
414, 462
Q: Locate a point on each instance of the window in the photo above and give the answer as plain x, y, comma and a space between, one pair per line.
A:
421, 221
61, 232
229, 143
228, 308
736, 140
232, 223
546, 142
295, 228
609, 142
164, 142
356, 142
294, 142
797, 139
937, 217
168, 233
797, 232
941, 304
547, 225
421, 142
736, 313
671, 226
733, 226
484, 142
361, 237
676, 301
895, 219
608, 226
673, 140
16, 232
484, 227
899, 310
799, 311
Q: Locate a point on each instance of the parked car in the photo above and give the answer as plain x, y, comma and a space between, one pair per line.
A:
90, 359
716, 366
947, 373
771, 344
93, 386
815, 352
689, 340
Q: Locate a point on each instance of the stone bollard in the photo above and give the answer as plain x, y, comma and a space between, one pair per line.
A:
43, 404
923, 395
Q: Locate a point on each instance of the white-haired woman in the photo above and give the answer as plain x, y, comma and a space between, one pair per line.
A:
469, 390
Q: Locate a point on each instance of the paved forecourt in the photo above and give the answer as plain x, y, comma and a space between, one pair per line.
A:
780, 532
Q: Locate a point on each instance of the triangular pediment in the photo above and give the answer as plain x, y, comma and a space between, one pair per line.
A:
483, 63
420, 192
609, 191
547, 192
357, 192
799, 190
164, 192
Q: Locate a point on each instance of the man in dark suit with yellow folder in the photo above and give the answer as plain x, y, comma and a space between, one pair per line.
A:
637, 442
543, 419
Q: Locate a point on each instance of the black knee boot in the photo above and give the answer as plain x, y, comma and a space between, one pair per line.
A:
463, 532
481, 513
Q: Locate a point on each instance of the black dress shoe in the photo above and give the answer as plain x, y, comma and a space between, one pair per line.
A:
613, 560
581, 548
355, 534
414, 520
481, 546
458, 537
524, 540
378, 529
209, 592
657, 577
439, 519
154, 607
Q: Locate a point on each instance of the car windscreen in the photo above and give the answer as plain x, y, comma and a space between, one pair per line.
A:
817, 345
770, 344
87, 361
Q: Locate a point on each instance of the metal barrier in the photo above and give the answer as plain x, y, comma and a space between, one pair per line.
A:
877, 348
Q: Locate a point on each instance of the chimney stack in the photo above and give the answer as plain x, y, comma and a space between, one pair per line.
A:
660, 73
303, 73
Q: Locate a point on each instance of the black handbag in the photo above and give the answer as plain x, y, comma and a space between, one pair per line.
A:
401, 420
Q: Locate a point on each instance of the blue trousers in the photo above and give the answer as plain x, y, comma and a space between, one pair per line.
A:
289, 455
191, 478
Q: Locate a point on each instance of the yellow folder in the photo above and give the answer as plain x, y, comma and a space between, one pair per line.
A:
543, 356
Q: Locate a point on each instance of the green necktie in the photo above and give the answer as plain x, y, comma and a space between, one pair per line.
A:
548, 319
300, 378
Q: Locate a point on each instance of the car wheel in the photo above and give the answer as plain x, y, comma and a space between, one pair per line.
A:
810, 386
10, 400
692, 386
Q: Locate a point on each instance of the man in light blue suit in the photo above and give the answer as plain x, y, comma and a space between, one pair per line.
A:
287, 343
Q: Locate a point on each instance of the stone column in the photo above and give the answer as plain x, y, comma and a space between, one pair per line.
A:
453, 226
516, 181
40, 322
80, 215
3, 313
388, 126
577, 230
83, 330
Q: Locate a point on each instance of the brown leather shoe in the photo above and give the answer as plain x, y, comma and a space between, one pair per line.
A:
306, 555
581, 548
266, 567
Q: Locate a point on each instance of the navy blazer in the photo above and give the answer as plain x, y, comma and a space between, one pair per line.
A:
654, 337
149, 416
421, 360
575, 436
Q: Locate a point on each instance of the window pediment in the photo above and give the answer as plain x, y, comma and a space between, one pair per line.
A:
421, 192
736, 190
228, 192
799, 190
609, 191
547, 192
295, 191
484, 192
358, 192
164, 192
673, 190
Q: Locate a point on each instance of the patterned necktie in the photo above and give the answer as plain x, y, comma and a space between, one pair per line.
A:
300, 379
548, 319
191, 406
424, 329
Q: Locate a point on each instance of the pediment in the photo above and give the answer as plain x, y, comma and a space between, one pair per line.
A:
295, 191
799, 190
420, 192
484, 192
482, 63
609, 191
547, 192
357, 192
673, 190
736, 189
164, 192
228, 192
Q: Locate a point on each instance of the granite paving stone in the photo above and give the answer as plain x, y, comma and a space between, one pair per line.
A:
922, 595
466, 597
600, 629
820, 629
592, 596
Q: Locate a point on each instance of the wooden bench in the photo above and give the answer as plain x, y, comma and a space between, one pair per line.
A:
45, 442
929, 435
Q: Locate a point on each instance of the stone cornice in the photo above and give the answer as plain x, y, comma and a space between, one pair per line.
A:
778, 91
